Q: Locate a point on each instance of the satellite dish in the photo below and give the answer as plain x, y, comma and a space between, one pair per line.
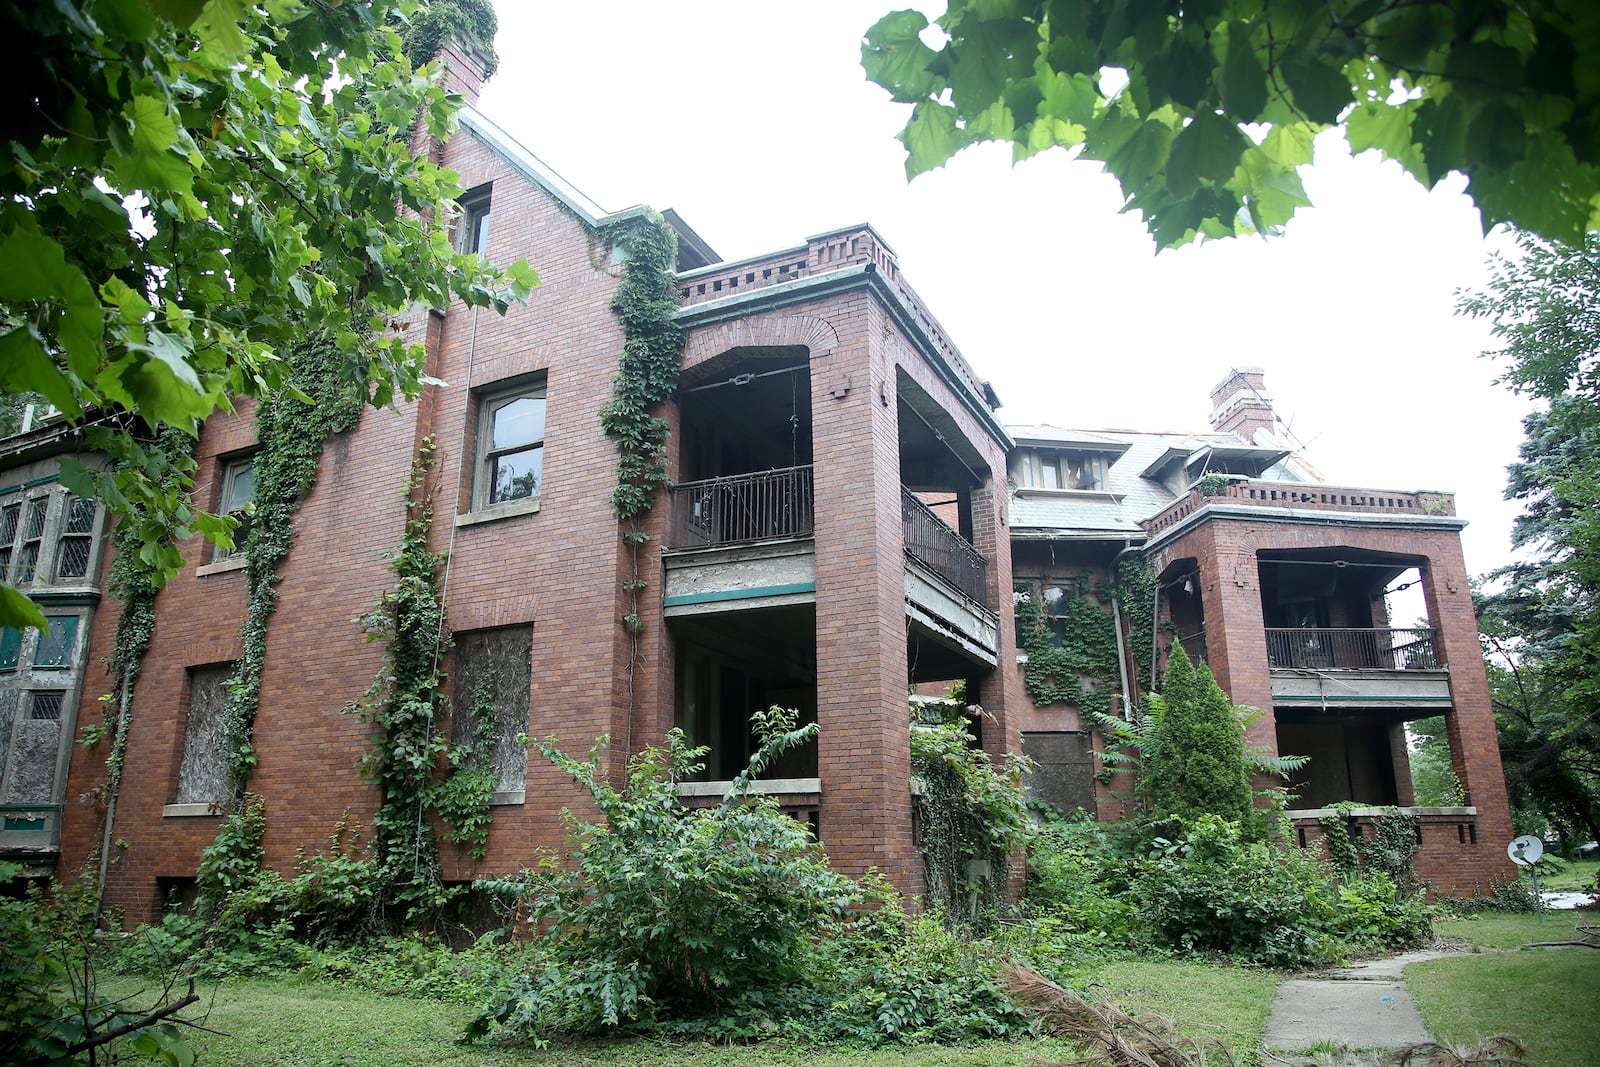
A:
1525, 850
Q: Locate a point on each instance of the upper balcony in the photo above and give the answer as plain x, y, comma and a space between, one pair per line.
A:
857, 247
1328, 668
1301, 496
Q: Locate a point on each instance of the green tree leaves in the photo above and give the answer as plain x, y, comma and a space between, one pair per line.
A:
1542, 629
1503, 92
193, 186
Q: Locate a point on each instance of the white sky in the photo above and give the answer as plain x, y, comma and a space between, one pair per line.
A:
755, 122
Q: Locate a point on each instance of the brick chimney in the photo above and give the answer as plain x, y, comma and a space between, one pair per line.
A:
464, 66
1241, 404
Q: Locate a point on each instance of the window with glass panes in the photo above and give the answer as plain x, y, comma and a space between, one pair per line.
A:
510, 445
75, 545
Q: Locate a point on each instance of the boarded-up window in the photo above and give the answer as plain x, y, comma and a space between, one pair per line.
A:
495, 667
30, 746
203, 774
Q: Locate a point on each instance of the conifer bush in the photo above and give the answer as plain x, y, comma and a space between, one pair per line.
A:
1199, 765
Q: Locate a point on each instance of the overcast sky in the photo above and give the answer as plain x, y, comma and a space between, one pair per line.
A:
755, 122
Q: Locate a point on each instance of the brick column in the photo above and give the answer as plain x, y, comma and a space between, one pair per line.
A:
864, 756
1474, 744
1236, 636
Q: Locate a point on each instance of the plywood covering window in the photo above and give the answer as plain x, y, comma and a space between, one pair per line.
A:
495, 668
203, 772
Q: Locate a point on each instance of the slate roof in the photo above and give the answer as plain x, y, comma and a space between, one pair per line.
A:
1130, 497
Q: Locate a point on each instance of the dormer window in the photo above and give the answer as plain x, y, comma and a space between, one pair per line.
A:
1038, 468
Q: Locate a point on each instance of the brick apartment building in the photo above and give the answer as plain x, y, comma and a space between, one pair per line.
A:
1278, 581
795, 560
792, 561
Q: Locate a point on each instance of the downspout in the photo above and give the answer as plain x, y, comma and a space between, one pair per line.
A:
116, 788
1116, 621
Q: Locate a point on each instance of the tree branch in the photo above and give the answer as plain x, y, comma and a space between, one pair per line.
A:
137, 1024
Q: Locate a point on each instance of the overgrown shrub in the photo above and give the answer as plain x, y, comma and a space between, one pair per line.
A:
890, 979
973, 818
52, 1008
669, 911
1211, 889
1079, 888
1372, 914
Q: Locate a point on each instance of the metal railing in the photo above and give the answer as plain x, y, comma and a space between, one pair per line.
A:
940, 548
742, 507
1383, 650
1194, 645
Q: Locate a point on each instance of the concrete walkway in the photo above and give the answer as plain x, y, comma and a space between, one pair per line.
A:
1361, 1007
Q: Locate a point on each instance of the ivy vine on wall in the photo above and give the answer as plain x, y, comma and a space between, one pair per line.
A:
1073, 657
647, 377
419, 774
290, 431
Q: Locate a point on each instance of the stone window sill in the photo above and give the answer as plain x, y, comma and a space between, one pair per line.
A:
495, 512
508, 797
187, 811
221, 566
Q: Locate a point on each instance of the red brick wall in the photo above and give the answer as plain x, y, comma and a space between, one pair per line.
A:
1226, 550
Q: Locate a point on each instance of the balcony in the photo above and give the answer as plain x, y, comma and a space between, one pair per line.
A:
1300, 496
942, 550
1350, 668
1360, 649
742, 508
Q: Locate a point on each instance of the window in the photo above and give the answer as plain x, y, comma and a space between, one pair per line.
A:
494, 672
55, 649
510, 445
203, 773
238, 501
10, 519
30, 753
26, 564
1042, 469
472, 229
10, 648
74, 546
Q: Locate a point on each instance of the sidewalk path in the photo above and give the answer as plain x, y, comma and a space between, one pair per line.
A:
1361, 1007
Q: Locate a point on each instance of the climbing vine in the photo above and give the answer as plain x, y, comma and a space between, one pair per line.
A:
1392, 849
1073, 657
406, 703
972, 816
291, 428
647, 377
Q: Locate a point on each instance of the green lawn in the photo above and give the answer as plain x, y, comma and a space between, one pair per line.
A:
1493, 930
1579, 875
1547, 997
282, 1022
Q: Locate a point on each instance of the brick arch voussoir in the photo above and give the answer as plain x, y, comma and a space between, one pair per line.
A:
761, 331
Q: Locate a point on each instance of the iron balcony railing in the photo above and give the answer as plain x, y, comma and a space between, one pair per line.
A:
1194, 645
944, 551
1372, 649
742, 507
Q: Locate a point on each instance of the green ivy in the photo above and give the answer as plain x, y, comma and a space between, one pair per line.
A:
463, 796
439, 20
1075, 661
647, 377
406, 703
290, 431
1392, 849
1076, 664
970, 811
